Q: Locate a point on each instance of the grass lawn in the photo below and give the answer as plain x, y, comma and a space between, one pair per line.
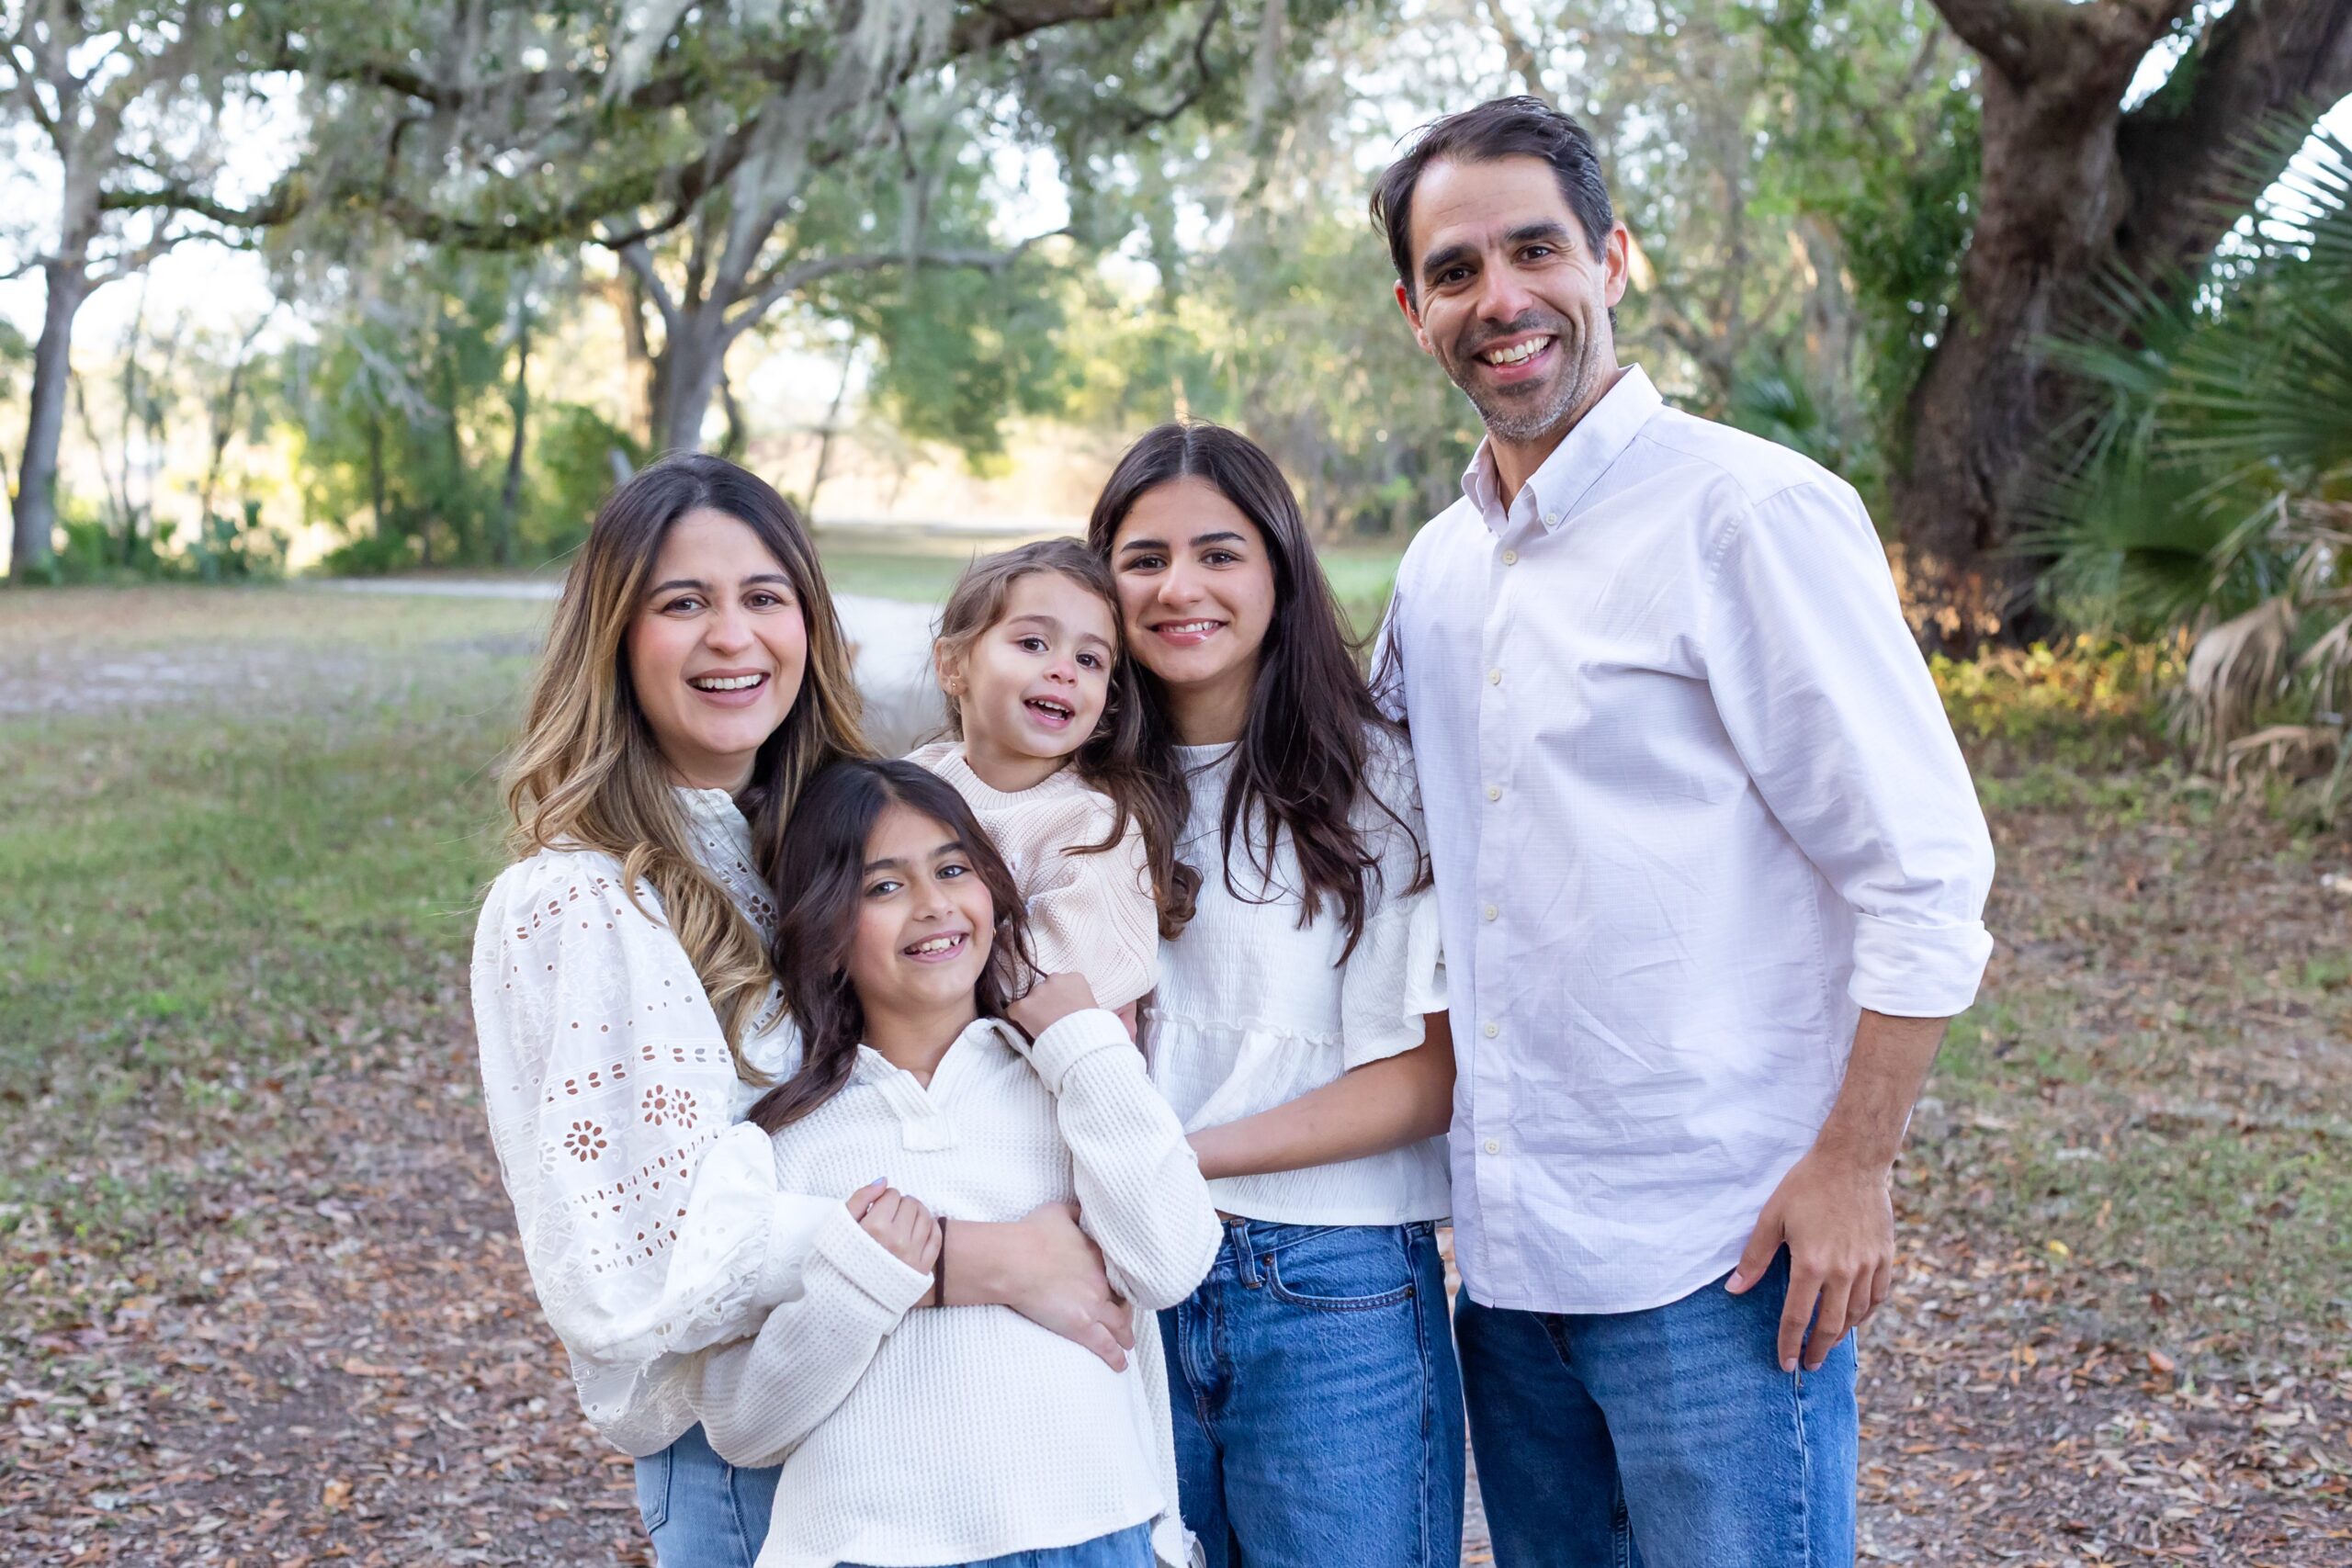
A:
256, 1267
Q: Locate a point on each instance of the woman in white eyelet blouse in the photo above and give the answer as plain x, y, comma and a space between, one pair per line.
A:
694, 677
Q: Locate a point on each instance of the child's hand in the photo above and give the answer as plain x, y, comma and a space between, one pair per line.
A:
904, 1227
1050, 1001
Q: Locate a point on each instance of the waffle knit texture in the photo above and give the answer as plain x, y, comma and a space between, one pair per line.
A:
649, 1230
959, 1434
1089, 914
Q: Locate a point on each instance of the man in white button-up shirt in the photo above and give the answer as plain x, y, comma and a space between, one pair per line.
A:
1711, 871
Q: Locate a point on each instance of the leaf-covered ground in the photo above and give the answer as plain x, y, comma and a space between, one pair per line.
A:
260, 1302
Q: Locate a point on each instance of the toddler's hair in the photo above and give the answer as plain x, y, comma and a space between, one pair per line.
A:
1110, 758
821, 869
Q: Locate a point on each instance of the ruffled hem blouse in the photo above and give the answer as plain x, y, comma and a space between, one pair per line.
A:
1254, 1010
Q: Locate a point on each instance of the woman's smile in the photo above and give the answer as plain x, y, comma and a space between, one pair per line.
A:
729, 688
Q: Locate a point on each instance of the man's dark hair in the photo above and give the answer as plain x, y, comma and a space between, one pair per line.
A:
1500, 128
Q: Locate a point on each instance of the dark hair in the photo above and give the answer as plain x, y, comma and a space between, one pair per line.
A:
1500, 128
824, 864
1110, 758
1300, 763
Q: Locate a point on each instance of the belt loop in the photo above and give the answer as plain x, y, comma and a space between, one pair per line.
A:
1245, 1262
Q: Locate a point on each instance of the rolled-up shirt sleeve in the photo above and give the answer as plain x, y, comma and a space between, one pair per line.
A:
1824, 695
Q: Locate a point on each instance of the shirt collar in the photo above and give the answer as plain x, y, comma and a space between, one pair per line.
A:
1598, 439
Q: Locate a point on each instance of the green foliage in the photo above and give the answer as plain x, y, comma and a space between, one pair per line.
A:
2208, 490
1775, 398
2080, 703
1888, 154
388, 400
571, 452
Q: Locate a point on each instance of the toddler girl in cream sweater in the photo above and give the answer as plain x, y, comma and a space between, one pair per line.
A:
1044, 728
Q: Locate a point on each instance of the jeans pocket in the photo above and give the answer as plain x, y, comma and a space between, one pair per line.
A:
653, 1490
1344, 1269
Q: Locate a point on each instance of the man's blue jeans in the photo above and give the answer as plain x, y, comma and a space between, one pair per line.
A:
1317, 1407
701, 1511
1666, 1439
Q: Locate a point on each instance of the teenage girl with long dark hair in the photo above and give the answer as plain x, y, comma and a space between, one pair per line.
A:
1298, 1030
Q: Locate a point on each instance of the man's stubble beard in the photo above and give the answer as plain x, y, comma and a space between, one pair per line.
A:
1522, 425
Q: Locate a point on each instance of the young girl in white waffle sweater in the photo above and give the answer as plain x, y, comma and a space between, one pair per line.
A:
961, 1435
1044, 730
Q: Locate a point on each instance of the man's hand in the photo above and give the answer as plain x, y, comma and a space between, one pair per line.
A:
1833, 1213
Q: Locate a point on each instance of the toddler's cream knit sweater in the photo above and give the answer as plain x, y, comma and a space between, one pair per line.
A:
1089, 914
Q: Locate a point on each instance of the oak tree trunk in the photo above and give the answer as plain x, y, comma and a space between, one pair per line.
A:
510, 493
2073, 185
36, 509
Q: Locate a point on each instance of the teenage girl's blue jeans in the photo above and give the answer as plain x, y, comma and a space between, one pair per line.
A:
1665, 1439
1317, 1409
701, 1511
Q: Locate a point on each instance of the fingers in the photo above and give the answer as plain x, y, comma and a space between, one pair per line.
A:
881, 1213
863, 1199
1104, 1344
1828, 1328
905, 1228
1757, 1256
1804, 1290
1882, 1284
1859, 1305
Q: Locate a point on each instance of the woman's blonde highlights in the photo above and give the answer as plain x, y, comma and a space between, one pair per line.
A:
588, 774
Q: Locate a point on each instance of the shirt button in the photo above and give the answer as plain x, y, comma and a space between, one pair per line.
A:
1494, 677
1494, 792
1491, 911
1493, 1029
1494, 1145
1511, 557
1551, 520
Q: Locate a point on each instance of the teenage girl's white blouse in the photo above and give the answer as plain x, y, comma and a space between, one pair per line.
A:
649, 1214
1255, 1010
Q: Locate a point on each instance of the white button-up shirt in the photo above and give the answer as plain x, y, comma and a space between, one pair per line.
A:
1692, 804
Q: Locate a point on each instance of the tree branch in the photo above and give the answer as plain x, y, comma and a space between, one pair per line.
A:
639, 261
1518, 51
779, 285
2003, 31
1144, 120
2193, 169
284, 199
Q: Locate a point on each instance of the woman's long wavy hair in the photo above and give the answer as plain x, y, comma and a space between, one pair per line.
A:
823, 868
1110, 759
1301, 761
588, 772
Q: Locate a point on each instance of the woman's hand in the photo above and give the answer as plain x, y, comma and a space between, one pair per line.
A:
905, 1228
1050, 1001
1049, 1271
